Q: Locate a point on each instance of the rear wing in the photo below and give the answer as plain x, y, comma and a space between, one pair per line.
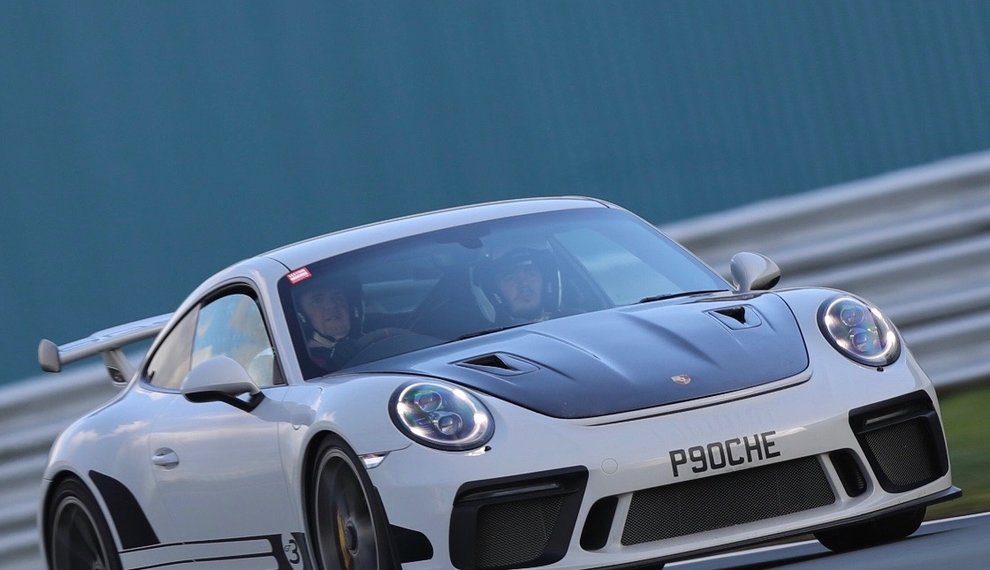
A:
108, 342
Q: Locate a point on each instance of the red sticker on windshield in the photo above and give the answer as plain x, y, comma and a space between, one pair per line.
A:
299, 275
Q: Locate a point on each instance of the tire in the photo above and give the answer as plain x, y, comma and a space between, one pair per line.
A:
78, 537
870, 533
347, 525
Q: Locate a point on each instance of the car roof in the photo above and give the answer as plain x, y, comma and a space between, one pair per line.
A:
302, 253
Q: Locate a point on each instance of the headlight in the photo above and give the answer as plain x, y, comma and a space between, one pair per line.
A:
859, 331
441, 416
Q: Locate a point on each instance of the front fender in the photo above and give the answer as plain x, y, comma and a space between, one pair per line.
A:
354, 407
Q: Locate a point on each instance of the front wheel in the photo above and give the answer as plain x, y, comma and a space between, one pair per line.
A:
346, 519
873, 532
78, 535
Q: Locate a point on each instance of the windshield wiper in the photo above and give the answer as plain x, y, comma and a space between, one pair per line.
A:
676, 295
483, 332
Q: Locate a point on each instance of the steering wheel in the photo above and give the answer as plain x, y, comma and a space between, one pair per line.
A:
380, 343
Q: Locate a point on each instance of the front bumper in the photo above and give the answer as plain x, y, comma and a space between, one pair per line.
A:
848, 444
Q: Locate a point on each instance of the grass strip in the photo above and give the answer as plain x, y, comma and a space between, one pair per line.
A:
966, 417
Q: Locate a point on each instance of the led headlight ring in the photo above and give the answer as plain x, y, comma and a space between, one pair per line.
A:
441, 416
859, 331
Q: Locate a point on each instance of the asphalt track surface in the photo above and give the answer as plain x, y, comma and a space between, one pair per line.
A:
961, 543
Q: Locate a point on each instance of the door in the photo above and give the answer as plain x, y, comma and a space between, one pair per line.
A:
217, 466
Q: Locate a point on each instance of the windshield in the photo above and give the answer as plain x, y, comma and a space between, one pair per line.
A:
443, 286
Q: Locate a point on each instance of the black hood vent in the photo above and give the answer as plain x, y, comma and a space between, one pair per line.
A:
737, 313
499, 363
738, 317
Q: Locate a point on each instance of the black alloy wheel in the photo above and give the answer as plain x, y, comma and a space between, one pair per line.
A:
78, 535
346, 520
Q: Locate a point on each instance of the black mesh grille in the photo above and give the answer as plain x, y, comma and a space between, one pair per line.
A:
725, 500
516, 521
903, 452
515, 533
851, 476
902, 440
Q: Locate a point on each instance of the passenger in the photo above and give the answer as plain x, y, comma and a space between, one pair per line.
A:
331, 320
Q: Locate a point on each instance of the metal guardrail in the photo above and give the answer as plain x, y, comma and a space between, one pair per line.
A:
916, 242
32, 414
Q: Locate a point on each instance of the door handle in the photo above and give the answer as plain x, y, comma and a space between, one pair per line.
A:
165, 457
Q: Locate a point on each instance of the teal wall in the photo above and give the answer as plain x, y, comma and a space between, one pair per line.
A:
145, 145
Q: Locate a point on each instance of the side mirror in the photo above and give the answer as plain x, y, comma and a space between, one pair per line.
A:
222, 379
753, 272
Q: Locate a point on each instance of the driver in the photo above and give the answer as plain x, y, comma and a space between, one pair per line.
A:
520, 288
330, 322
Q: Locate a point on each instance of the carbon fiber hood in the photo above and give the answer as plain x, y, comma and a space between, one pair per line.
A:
624, 359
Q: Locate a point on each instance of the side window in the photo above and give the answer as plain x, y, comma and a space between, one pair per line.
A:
232, 326
170, 364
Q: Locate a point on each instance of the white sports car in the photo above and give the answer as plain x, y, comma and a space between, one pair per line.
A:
534, 383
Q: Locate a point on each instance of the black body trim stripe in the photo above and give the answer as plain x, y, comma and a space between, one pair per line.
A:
132, 524
210, 559
278, 552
